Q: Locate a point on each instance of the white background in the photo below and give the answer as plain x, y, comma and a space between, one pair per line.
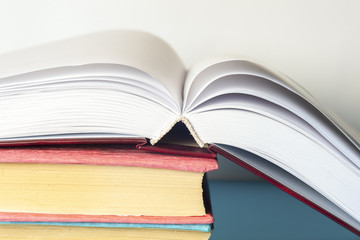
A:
317, 43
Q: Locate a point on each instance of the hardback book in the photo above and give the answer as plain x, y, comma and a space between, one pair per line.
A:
113, 190
126, 85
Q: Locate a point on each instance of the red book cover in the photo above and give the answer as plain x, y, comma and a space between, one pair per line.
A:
114, 154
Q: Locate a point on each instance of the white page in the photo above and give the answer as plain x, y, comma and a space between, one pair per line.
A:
270, 110
118, 73
130, 48
270, 91
92, 111
200, 66
117, 84
203, 75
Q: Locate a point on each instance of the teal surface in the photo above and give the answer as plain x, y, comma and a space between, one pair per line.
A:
193, 227
258, 210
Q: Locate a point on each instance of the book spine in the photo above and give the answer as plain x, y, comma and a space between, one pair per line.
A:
187, 123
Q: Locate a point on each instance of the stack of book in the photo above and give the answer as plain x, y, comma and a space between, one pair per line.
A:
126, 85
104, 191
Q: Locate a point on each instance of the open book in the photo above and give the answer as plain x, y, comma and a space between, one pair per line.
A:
126, 84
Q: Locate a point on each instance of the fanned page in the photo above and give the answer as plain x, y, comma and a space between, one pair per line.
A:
118, 84
242, 104
215, 68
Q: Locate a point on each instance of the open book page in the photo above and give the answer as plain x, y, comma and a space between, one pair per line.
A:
350, 132
95, 111
216, 78
235, 90
130, 48
197, 69
103, 85
202, 75
261, 106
